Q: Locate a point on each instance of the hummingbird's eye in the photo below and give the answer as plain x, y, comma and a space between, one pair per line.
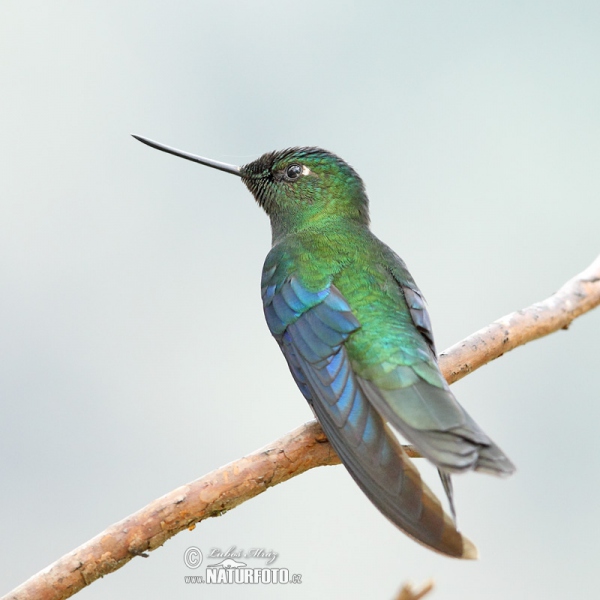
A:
293, 172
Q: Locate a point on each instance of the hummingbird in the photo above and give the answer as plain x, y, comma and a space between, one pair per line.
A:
355, 332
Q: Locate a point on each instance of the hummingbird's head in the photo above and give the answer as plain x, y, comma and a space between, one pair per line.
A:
298, 186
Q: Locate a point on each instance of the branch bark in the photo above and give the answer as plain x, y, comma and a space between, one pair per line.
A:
291, 455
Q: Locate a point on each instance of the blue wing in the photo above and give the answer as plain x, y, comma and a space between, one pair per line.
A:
311, 328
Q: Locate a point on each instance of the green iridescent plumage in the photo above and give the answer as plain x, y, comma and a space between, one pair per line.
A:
354, 329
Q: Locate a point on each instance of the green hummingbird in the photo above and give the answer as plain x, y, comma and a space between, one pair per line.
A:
354, 329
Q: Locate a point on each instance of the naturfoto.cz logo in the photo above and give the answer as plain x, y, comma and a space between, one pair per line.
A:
231, 570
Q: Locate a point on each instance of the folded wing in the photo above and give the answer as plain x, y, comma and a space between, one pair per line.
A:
311, 328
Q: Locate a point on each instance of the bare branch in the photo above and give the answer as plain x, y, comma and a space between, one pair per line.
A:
576, 297
293, 454
212, 495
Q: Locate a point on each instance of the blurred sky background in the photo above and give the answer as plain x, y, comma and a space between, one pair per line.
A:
134, 356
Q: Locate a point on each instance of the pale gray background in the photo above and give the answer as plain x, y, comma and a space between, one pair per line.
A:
134, 356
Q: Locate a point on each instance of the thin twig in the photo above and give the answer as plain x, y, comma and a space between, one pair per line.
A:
295, 453
407, 592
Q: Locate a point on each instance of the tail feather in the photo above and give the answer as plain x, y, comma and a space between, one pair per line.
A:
439, 427
449, 489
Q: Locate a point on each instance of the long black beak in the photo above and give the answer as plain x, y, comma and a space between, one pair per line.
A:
215, 164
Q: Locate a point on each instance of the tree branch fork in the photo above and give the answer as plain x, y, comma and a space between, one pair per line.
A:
298, 451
